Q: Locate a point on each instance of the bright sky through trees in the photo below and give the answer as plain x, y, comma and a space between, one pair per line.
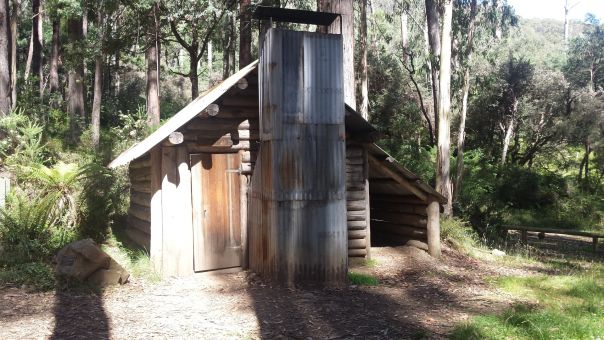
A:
555, 8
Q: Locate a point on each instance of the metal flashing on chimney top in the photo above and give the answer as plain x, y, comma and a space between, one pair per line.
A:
295, 16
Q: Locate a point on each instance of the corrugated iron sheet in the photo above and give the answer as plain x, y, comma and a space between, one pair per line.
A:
297, 215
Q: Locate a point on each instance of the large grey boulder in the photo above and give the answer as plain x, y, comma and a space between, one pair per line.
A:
84, 261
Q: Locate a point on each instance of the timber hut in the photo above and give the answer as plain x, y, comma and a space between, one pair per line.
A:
270, 170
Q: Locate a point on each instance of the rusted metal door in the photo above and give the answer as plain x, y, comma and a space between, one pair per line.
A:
216, 211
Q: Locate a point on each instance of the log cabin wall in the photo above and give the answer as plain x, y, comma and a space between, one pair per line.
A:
398, 219
357, 201
139, 214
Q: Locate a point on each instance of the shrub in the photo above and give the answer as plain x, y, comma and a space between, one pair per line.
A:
26, 230
36, 275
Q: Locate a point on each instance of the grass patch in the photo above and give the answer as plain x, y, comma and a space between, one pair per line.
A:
135, 260
556, 307
35, 276
362, 279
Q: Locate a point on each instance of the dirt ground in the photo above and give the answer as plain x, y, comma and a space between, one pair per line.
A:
418, 297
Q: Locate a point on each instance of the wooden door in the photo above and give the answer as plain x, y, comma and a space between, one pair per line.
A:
216, 211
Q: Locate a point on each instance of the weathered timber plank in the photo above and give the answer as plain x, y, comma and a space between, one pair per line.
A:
144, 187
379, 226
357, 252
401, 218
140, 212
355, 205
355, 195
357, 244
357, 234
399, 207
140, 198
156, 239
356, 225
140, 225
143, 162
355, 215
377, 198
400, 179
138, 237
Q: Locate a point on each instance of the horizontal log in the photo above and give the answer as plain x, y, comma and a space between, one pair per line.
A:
409, 199
404, 230
354, 152
140, 225
355, 195
246, 168
141, 186
357, 234
356, 215
246, 156
356, 205
213, 124
357, 252
418, 244
143, 162
356, 225
399, 207
217, 146
355, 177
357, 244
355, 186
139, 237
355, 161
237, 112
240, 101
354, 168
140, 177
140, 198
134, 172
140, 212
401, 218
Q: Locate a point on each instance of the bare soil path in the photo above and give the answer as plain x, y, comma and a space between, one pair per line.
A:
418, 297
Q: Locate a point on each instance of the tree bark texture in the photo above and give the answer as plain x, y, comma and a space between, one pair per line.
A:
152, 57
245, 33
98, 87
443, 175
461, 136
75, 106
346, 9
364, 109
54, 56
434, 36
37, 36
14, 32
5, 83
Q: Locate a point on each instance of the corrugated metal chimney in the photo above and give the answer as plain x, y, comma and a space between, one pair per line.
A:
297, 218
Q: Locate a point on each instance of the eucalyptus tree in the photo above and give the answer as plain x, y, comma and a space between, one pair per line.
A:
5, 83
194, 24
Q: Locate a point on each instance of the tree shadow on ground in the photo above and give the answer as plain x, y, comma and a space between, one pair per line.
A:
417, 304
80, 316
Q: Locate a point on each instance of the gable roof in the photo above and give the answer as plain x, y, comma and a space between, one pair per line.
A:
181, 118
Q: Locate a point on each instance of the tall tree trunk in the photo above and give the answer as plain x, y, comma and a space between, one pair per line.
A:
364, 109
245, 33
5, 93
509, 132
37, 36
152, 56
210, 61
193, 70
75, 106
405, 33
566, 25
346, 9
14, 33
228, 56
98, 86
443, 175
434, 36
54, 56
461, 136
